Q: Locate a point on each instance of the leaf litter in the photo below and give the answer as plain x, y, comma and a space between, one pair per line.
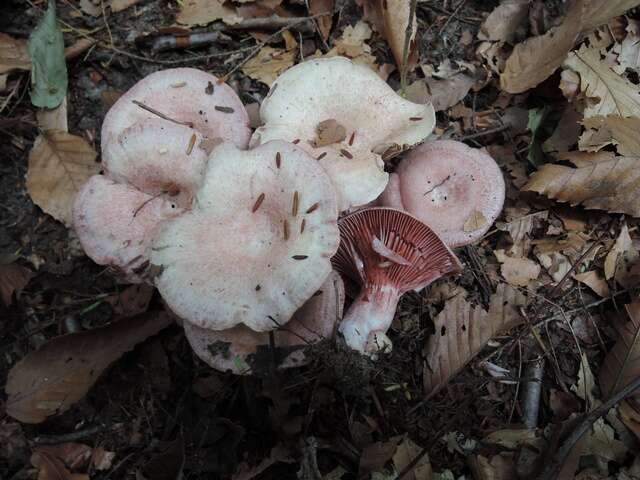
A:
564, 253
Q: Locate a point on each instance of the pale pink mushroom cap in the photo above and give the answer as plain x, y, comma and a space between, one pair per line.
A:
157, 157
243, 351
182, 94
457, 190
242, 255
116, 223
388, 252
374, 117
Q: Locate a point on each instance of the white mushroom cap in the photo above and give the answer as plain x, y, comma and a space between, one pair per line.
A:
185, 95
157, 157
457, 190
116, 223
375, 119
257, 244
243, 351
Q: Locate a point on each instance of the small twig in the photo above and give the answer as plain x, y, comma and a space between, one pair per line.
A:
160, 114
553, 467
453, 15
405, 51
483, 133
69, 437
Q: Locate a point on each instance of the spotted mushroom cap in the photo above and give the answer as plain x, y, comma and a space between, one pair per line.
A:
257, 244
347, 117
156, 157
244, 351
385, 246
458, 190
116, 223
185, 95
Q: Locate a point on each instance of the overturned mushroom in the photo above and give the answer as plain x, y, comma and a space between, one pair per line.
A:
346, 117
258, 243
244, 351
387, 252
459, 191
183, 96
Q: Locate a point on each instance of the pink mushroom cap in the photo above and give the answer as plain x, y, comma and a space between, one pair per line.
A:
185, 95
116, 224
387, 252
257, 243
244, 351
457, 190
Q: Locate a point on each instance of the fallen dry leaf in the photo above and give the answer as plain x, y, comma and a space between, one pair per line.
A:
52, 468
53, 118
611, 93
497, 467
446, 93
376, 455
13, 278
268, 64
622, 363
597, 12
504, 20
475, 221
610, 185
585, 386
408, 452
329, 132
13, 54
133, 300
48, 381
630, 417
621, 257
203, 12
595, 282
102, 459
621, 131
520, 231
462, 330
279, 453
352, 44
59, 164
517, 271
316, 7
395, 21
535, 59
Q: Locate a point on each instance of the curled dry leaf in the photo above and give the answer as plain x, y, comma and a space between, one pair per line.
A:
13, 278
48, 381
595, 282
446, 93
329, 132
611, 93
504, 20
622, 363
59, 164
317, 7
462, 330
395, 21
268, 64
611, 185
352, 44
535, 59
203, 12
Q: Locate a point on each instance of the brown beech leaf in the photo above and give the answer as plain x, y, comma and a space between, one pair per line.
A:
609, 185
13, 54
268, 64
622, 363
13, 278
611, 93
329, 132
597, 12
317, 7
203, 12
504, 20
395, 20
535, 59
622, 131
59, 164
49, 380
462, 330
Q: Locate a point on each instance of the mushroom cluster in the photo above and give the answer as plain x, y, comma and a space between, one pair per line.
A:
239, 231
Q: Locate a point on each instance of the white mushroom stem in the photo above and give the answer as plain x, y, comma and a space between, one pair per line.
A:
369, 317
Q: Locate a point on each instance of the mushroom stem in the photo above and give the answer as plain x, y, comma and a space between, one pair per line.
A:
369, 317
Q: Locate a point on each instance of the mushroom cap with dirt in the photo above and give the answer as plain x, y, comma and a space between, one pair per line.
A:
244, 351
184, 96
348, 118
387, 252
458, 190
257, 243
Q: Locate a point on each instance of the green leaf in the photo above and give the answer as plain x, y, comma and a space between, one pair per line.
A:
49, 71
